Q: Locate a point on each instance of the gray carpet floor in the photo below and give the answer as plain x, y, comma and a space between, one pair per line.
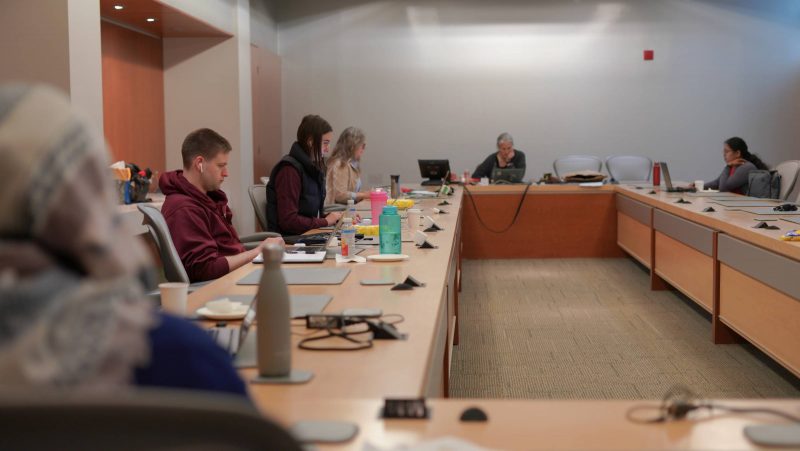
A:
593, 329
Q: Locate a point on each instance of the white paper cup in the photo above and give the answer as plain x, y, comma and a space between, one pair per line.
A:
173, 297
484, 181
699, 185
413, 218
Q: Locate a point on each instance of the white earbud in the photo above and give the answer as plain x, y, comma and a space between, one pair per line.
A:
201, 167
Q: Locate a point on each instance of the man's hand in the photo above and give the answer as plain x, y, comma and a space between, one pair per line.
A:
333, 217
276, 240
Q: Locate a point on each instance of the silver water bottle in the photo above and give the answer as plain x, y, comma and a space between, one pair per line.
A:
272, 313
395, 187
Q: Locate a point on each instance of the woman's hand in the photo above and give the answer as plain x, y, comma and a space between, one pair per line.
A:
333, 217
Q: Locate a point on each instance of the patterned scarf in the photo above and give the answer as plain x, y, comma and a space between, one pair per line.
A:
72, 311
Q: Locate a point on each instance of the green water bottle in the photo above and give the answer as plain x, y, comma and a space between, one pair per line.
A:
389, 232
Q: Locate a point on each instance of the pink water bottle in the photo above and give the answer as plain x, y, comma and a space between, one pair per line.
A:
377, 198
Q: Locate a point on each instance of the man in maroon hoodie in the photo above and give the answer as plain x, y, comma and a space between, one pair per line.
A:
197, 212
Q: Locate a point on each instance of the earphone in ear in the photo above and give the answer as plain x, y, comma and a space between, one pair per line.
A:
201, 167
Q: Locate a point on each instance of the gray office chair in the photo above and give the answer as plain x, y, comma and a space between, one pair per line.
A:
136, 419
788, 171
157, 227
629, 167
574, 163
258, 196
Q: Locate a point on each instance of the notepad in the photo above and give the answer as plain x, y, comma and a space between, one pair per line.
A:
302, 276
768, 211
745, 203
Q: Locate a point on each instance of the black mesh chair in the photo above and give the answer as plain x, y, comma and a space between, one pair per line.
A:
136, 420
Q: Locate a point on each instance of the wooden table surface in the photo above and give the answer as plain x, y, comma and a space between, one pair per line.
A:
528, 424
390, 367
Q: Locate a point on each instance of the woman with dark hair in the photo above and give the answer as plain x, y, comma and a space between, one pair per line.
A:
738, 164
296, 188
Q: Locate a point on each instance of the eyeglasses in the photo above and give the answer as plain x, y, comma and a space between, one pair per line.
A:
786, 207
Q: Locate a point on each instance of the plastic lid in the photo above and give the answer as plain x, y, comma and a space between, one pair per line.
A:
389, 210
348, 220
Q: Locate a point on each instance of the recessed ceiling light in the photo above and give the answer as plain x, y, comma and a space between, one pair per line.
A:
151, 19
118, 7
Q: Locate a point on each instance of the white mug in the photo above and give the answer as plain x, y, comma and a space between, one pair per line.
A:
174, 296
699, 185
413, 218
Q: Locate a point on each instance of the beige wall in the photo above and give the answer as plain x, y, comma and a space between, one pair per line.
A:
201, 89
217, 13
34, 42
443, 78
85, 59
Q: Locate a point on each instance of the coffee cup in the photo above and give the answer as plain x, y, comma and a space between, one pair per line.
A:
174, 296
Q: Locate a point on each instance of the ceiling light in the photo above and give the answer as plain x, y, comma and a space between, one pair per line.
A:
151, 19
118, 7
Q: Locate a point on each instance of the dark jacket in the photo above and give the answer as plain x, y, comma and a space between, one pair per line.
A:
201, 227
737, 182
485, 169
294, 208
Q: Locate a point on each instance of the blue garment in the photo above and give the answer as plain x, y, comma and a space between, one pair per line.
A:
183, 356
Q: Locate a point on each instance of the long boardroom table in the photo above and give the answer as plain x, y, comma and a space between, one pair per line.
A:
741, 275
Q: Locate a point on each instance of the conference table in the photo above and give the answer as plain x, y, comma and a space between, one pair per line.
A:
741, 275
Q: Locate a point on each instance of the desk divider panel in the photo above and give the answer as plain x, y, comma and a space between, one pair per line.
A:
693, 235
634, 209
776, 271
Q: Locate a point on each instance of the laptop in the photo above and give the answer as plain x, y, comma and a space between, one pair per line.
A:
507, 175
232, 338
306, 254
668, 182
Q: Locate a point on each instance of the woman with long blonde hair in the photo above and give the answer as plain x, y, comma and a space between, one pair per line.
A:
343, 179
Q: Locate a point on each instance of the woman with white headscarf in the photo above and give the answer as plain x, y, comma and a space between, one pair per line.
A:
72, 306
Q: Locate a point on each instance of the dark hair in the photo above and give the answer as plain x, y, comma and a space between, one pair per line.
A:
313, 127
738, 145
204, 142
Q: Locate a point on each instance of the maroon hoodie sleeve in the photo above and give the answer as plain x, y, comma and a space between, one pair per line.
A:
195, 245
287, 186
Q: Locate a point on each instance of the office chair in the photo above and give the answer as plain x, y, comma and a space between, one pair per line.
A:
629, 167
788, 171
154, 221
574, 163
135, 419
258, 196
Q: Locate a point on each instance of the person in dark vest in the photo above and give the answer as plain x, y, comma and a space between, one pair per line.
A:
296, 188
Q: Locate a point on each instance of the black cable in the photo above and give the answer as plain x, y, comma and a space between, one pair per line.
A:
775, 412
516, 213
679, 401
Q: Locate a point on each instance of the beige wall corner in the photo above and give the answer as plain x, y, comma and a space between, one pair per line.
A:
85, 59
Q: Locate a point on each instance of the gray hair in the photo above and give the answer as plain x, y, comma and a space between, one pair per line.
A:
505, 137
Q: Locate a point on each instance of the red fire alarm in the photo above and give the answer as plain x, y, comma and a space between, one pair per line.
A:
649, 55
